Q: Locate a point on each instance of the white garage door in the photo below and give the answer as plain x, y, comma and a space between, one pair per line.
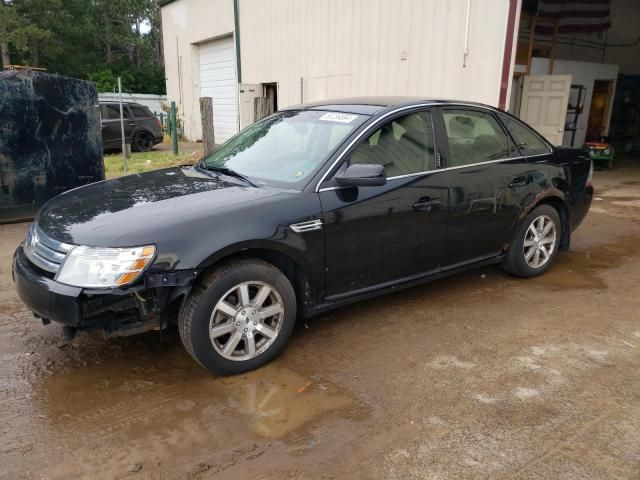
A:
218, 81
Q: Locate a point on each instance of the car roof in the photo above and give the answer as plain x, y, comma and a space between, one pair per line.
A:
375, 104
115, 102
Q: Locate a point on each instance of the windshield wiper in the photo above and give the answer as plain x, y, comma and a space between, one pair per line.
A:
229, 172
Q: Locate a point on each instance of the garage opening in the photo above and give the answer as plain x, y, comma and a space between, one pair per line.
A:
218, 81
577, 72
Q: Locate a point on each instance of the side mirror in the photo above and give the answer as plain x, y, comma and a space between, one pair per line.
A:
362, 175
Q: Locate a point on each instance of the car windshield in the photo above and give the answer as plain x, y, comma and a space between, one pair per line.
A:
285, 149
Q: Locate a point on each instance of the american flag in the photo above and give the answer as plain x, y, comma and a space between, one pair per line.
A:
576, 16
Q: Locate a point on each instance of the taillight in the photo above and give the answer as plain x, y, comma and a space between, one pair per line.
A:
590, 176
159, 124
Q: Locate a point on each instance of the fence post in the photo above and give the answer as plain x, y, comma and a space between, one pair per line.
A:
260, 108
206, 117
174, 128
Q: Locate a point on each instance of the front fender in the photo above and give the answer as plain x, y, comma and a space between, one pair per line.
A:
305, 252
202, 242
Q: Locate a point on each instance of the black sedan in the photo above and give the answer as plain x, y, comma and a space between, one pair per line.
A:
308, 209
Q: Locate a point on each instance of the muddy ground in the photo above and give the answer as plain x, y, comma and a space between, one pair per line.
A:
477, 376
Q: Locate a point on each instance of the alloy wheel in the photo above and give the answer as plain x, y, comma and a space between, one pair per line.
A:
246, 320
539, 241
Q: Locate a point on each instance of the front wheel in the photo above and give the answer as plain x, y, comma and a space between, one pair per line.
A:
535, 243
239, 317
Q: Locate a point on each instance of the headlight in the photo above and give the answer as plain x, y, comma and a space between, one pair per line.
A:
104, 267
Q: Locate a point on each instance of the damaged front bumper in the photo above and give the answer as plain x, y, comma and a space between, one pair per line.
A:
148, 305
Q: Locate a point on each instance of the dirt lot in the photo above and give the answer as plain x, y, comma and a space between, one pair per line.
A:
477, 376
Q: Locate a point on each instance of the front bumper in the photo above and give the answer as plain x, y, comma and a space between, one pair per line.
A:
121, 311
44, 296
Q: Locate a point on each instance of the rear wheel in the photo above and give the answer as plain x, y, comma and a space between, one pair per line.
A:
535, 243
142, 142
239, 318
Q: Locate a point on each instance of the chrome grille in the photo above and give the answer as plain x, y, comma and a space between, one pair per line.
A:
43, 251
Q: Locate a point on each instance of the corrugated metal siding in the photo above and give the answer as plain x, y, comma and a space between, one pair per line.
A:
354, 47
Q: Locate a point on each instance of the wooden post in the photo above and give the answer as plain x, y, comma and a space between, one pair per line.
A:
260, 108
206, 117
532, 34
552, 58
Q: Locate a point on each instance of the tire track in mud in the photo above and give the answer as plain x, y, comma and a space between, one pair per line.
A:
112, 419
568, 438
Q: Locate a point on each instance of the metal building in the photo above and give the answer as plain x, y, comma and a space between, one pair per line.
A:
293, 51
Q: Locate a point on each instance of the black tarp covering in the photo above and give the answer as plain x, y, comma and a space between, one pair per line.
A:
50, 139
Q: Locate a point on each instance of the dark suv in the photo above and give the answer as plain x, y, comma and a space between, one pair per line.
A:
142, 128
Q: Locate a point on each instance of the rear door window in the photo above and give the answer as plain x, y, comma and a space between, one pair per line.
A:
111, 111
475, 137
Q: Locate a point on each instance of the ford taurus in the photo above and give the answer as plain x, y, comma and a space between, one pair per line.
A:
308, 209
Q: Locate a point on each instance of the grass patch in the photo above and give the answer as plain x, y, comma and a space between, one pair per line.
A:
145, 161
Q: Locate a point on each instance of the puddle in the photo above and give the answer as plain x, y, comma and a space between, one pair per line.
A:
281, 402
581, 269
270, 403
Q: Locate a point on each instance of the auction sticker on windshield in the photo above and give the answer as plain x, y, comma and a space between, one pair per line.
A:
338, 117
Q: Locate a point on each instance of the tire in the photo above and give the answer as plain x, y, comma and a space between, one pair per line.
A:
142, 142
516, 262
211, 304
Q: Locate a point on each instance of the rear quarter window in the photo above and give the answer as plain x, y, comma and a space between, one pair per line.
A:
140, 112
528, 142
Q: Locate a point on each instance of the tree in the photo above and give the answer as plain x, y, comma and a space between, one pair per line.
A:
7, 18
91, 39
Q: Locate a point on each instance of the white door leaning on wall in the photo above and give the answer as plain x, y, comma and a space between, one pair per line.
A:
544, 104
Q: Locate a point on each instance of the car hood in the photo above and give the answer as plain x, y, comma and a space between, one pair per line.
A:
140, 209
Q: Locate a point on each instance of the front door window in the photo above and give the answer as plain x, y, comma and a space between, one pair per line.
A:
404, 146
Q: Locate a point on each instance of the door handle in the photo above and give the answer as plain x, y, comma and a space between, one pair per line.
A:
426, 204
518, 182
